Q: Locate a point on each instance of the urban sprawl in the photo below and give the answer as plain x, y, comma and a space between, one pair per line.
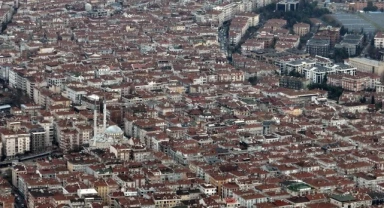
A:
180, 103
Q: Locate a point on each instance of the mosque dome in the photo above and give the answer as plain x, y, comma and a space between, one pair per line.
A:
114, 130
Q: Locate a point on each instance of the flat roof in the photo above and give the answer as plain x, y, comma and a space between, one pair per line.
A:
2, 107
367, 61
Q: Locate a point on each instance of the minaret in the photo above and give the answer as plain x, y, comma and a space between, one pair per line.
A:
95, 121
94, 126
104, 116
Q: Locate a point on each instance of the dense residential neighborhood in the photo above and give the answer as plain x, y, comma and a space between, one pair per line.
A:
157, 104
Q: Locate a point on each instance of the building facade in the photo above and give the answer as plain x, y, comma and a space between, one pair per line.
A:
301, 29
318, 47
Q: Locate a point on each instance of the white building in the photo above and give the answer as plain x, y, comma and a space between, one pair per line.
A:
207, 189
15, 142
318, 73
379, 40
75, 94
84, 192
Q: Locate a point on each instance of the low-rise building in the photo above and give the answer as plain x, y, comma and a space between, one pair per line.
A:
367, 65
301, 29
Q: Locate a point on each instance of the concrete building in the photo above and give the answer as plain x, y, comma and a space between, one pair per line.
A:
379, 40
301, 29
296, 83
318, 73
15, 142
37, 138
318, 47
287, 5
351, 43
367, 65
333, 33
75, 94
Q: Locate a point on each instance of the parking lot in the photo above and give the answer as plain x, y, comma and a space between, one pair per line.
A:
353, 22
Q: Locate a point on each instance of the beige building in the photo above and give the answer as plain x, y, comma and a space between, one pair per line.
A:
166, 200
301, 29
367, 65
16, 171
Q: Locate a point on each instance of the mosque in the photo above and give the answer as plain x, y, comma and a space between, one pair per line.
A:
106, 137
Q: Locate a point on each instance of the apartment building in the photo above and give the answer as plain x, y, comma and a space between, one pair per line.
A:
353, 83
238, 28
359, 82
318, 47
297, 65
69, 140
37, 137
5, 58
379, 40
287, 5
301, 29
14, 142
317, 74
49, 131
351, 43
333, 33
75, 93
5, 15
296, 83
229, 10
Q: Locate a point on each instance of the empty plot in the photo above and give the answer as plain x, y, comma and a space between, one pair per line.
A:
355, 23
377, 19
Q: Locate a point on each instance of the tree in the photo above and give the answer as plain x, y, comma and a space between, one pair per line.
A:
333, 92
370, 7
343, 31
374, 53
340, 54
325, 78
7, 175
363, 99
379, 106
294, 73
373, 99
252, 80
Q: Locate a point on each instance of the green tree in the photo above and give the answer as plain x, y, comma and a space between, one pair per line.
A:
340, 54
379, 106
333, 92
325, 79
370, 7
343, 31
252, 80
294, 73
